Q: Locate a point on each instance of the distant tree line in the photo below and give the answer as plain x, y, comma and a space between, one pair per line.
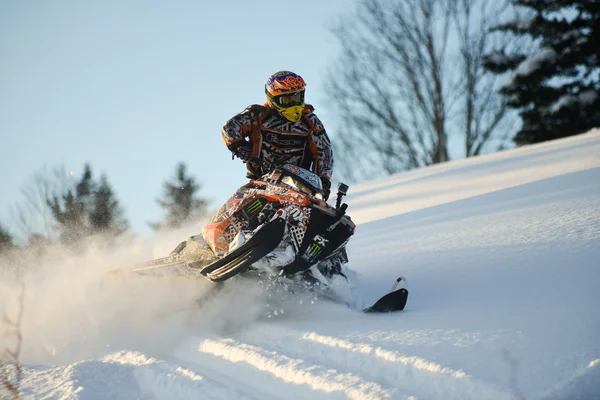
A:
57, 209
421, 82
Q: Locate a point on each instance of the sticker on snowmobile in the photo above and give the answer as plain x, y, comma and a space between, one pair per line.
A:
292, 168
297, 215
313, 250
254, 206
321, 240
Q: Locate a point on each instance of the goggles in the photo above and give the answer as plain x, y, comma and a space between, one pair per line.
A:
289, 99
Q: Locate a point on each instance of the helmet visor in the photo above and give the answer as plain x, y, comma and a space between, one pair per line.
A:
290, 99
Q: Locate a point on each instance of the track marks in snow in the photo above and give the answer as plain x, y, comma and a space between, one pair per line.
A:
400, 374
162, 380
409, 373
386, 356
584, 384
277, 373
123, 376
310, 365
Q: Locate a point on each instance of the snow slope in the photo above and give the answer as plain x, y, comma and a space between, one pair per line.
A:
502, 257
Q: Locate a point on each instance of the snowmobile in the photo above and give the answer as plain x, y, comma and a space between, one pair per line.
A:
278, 225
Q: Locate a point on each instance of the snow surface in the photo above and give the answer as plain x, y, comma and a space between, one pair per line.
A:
502, 256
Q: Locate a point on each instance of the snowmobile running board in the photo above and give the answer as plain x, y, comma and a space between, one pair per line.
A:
159, 263
262, 243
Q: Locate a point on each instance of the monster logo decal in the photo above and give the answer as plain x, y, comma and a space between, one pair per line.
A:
312, 251
254, 206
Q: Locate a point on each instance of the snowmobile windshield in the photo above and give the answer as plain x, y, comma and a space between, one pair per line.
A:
301, 186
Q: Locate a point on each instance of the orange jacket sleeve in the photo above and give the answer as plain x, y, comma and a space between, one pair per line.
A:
238, 131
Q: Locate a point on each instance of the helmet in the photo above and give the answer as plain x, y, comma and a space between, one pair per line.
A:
285, 93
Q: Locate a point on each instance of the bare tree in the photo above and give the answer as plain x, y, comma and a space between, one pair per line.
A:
33, 217
410, 87
11, 372
482, 111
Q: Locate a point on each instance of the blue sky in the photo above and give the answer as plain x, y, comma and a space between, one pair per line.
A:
133, 87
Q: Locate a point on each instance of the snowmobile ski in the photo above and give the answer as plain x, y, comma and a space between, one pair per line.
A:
264, 241
395, 300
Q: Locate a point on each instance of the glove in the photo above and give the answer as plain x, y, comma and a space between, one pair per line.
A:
242, 150
254, 167
326, 183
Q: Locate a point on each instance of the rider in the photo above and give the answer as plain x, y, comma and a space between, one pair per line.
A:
284, 130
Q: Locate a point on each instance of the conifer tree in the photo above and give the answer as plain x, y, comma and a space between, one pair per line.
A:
72, 209
87, 208
105, 214
180, 200
556, 89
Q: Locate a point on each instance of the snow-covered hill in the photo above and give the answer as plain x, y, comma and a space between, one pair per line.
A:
502, 256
